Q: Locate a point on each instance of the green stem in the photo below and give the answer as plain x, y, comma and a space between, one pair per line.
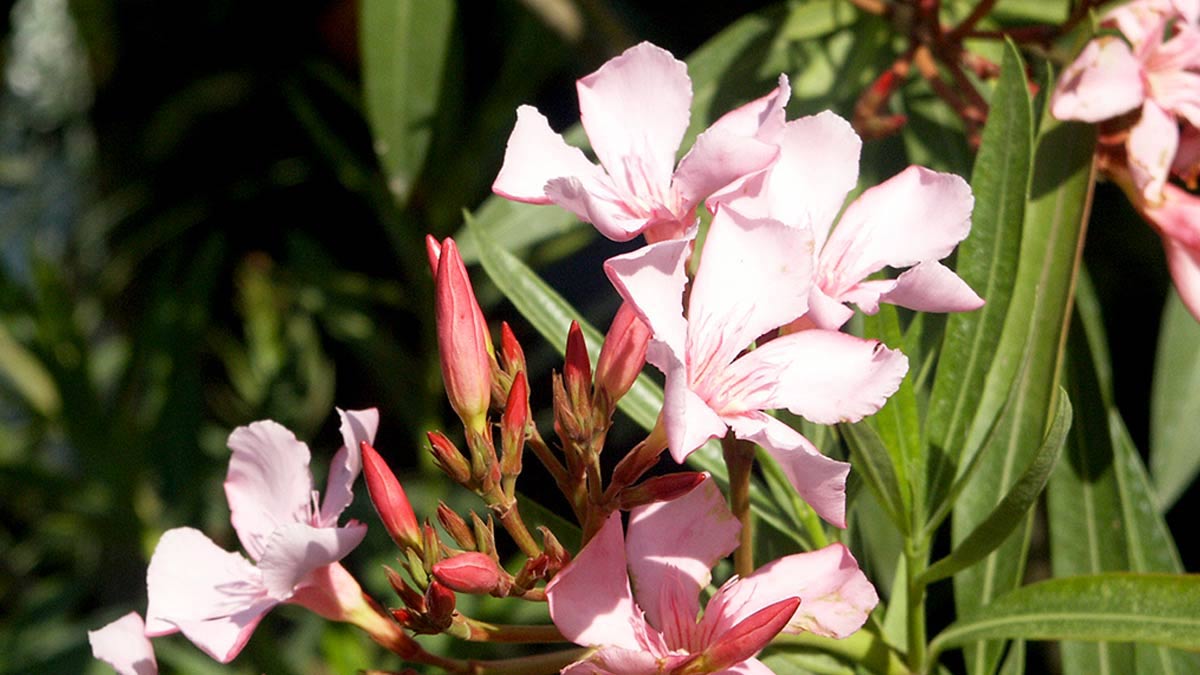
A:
482, 631
739, 459
916, 555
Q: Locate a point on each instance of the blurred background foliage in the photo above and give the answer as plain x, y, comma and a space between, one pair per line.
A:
212, 213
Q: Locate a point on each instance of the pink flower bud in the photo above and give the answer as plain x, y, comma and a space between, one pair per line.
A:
462, 340
433, 249
577, 368
510, 349
748, 637
389, 499
471, 572
660, 488
439, 606
622, 355
512, 426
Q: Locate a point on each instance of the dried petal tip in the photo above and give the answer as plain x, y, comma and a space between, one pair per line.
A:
391, 503
463, 341
475, 573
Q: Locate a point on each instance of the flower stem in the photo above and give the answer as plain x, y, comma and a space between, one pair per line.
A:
739, 458
482, 631
916, 556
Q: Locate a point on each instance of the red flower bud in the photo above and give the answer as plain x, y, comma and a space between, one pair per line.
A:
577, 369
471, 572
462, 340
455, 526
448, 458
512, 426
660, 488
439, 606
433, 249
623, 354
749, 637
389, 499
510, 349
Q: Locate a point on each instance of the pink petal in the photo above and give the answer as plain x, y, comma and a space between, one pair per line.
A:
357, 426
932, 287
123, 645
534, 156
1186, 164
823, 312
835, 596
747, 667
762, 118
1177, 220
817, 168
1184, 264
1151, 147
590, 601
594, 200
754, 276
819, 480
215, 597
651, 280
687, 535
268, 483
915, 216
616, 661
688, 419
635, 109
825, 376
717, 159
295, 550
1103, 82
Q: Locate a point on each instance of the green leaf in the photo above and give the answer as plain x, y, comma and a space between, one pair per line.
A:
874, 464
898, 421
551, 315
1034, 329
1011, 512
1175, 404
987, 261
27, 375
1101, 509
404, 48
1153, 608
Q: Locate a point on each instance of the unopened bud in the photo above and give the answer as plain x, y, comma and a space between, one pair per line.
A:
449, 459
389, 499
433, 249
510, 350
659, 489
622, 356
471, 572
748, 637
463, 340
577, 370
485, 466
408, 595
439, 606
433, 546
485, 534
512, 427
456, 527
567, 424
557, 557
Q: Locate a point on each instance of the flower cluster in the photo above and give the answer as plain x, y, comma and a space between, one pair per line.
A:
1143, 88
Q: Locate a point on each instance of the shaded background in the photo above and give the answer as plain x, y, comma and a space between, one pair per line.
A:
195, 233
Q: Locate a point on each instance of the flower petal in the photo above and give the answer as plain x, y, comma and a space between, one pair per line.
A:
1177, 221
123, 645
635, 109
932, 287
651, 280
747, 667
687, 535
1184, 264
268, 483
1151, 147
616, 661
688, 419
915, 216
762, 118
357, 426
594, 200
819, 480
825, 376
534, 156
216, 598
295, 550
754, 276
590, 601
835, 596
717, 159
1104, 81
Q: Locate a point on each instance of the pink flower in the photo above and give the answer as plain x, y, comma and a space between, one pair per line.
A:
123, 645
754, 276
635, 595
912, 220
216, 598
635, 110
1155, 75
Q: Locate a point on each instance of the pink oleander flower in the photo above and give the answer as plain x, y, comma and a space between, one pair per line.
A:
635, 110
463, 340
912, 220
123, 645
1153, 76
755, 275
634, 595
215, 597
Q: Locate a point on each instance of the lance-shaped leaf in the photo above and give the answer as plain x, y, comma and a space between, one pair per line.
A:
1034, 329
987, 260
1175, 404
551, 315
1152, 608
871, 458
898, 422
1102, 515
1011, 512
404, 49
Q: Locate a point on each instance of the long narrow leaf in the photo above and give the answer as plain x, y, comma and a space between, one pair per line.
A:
1011, 511
1175, 404
871, 458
